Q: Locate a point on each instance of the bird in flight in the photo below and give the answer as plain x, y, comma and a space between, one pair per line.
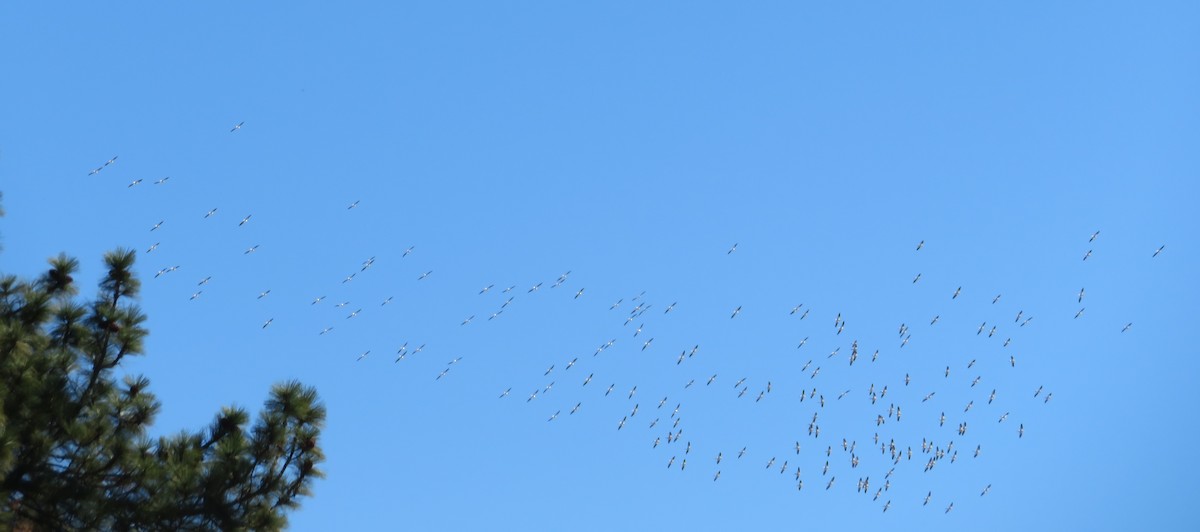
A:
135, 182
154, 247
995, 299
1094, 235
920, 245
237, 127
917, 278
1078, 314
268, 323
736, 311
579, 293
1157, 251
424, 275
505, 393
163, 180
252, 249
353, 205
407, 251
1088, 254
732, 249
1080, 295
956, 291
157, 225
1127, 326
244, 220
211, 212
263, 294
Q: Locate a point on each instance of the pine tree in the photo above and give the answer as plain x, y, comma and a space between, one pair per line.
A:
74, 454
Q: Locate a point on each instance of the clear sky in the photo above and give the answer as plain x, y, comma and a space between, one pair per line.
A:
633, 144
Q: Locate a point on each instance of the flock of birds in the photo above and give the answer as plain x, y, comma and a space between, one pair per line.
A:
833, 456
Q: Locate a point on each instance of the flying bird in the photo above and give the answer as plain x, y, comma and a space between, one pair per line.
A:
732, 249
211, 212
956, 292
1157, 251
505, 394
917, 278
157, 225
237, 127
735, 312
163, 180
1080, 295
353, 205
1088, 254
244, 220
1094, 235
920, 245
135, 182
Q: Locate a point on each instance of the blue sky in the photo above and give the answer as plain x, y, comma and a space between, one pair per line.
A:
633, 145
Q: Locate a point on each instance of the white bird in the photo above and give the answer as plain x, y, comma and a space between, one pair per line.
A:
622, 423
407, 251
575, 408
951, 507
956, 292
204, 281
505, 394
386, 301
579, 293
805, 315
353, 314
263, 294
195, 295
647, 344
1127, 326
1094, 235
268, 323
711, 379
424, 275
157, 225
917, 278
1080, 295
353, 205
669, 307
325, 331
468, 320
244, 220
1088, 254
935, 319
986, 490
442, 374
1156, 252
252, 249
927, 497
154, 247
609, 390
237, 127
210, 212
631, 394
997, 298
732, 249
554, 416
364, 355
163, 180
1080, 313
534, 288
135, 182
339, 305
920, 245
588, 379
735, 312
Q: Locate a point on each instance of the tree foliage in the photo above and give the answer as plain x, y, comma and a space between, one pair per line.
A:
74, 454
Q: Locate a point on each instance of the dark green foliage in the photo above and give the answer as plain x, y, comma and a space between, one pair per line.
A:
74, 454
